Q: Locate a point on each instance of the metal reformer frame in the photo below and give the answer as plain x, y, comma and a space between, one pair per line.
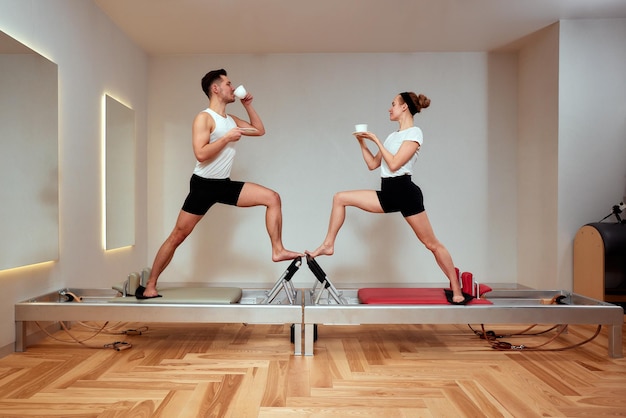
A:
508, 307
304, 310
255, 307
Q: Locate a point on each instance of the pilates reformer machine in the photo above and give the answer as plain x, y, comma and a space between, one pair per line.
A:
280, 305
325, 304
322, 304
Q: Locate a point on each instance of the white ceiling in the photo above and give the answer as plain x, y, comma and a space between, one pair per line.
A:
297, 26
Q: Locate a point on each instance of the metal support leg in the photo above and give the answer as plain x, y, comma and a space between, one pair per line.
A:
20, 336
615, 341
297, 339
309, 332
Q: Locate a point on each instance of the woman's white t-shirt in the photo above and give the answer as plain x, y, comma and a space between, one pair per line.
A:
393, 143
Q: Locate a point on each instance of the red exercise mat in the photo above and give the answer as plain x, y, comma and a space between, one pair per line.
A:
408, 296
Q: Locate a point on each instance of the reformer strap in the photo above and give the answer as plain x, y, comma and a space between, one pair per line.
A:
117, 345
139, 293
496, 344
450, 297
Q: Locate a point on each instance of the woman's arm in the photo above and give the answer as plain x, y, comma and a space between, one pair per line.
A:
404, 154
394, 161
372, 161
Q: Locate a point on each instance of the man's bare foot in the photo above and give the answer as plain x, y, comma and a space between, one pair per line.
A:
150, 291
284, 255
321, 250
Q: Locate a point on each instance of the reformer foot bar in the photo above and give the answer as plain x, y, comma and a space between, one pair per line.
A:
177, 304
284, 283
502, 307
325, 284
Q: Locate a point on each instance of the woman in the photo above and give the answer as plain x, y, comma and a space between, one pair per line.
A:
398, 193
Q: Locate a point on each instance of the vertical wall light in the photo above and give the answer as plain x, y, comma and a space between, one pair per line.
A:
118, 176
29, 163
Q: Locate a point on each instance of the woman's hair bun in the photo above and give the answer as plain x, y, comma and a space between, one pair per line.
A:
422, 102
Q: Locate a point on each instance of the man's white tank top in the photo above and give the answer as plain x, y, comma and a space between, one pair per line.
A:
220, 166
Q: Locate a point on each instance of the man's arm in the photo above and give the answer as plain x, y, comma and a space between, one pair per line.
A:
203, 125
255, 119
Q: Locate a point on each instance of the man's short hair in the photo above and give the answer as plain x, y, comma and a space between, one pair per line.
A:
210, 78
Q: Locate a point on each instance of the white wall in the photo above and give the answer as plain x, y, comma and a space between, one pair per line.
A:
309, 104
502, 169
537, 159
572, 141
592, 128
93, 58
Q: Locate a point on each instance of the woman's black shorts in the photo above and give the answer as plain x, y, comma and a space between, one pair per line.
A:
400, 194
204, 193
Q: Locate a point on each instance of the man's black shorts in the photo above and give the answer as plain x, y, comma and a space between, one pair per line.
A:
204, 193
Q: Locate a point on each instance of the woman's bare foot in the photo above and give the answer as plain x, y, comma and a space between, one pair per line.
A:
283, 255
321, 250
457, 294
457, 298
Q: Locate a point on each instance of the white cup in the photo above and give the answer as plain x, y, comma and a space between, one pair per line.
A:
240, 92
361, 127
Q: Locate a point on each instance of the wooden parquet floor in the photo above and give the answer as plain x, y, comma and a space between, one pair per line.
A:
232, 370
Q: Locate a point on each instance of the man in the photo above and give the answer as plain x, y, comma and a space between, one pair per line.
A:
214, 134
